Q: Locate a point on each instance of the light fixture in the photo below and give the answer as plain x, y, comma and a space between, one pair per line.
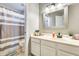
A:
59, 5
46, 10
50, 7
54, 6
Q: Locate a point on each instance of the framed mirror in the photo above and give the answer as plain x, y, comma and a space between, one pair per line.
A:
56, 19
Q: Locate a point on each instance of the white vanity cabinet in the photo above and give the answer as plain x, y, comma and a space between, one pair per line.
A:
42, 47
47, 51
48, 48
69, 49
35, 46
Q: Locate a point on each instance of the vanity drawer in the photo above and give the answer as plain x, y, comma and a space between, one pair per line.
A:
35, 49
62, 53
35, 40
47, 51
68, 48
48, 43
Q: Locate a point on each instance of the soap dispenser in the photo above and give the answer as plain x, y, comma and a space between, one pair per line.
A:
53, 34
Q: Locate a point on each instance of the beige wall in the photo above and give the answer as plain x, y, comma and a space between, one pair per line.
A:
73, 20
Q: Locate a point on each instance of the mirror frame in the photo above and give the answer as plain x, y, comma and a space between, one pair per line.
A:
65, 20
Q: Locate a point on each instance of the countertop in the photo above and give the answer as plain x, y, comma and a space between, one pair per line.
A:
65, 39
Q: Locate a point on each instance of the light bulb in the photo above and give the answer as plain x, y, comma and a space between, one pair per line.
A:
59, 5
46, 10
52, 7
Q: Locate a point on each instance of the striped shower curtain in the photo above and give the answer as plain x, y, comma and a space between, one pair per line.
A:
11, 31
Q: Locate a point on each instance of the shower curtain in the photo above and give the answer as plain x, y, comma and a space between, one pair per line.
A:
11, 31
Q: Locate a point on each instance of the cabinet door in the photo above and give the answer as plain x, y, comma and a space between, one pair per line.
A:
61, 53
68, 48
47, 51
35, 40
35, 48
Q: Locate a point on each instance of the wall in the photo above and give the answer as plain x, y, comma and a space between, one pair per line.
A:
32, 21
73, 20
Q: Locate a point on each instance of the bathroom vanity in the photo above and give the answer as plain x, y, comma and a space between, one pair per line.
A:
45, 45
